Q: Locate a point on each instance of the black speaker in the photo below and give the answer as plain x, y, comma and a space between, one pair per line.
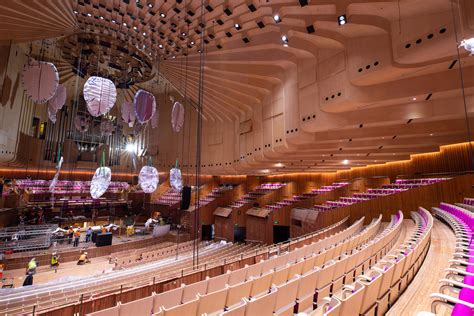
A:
103, 240
185, 197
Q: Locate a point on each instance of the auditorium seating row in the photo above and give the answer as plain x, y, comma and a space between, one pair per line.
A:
272, 286
261, 190
169, 198
456, 290
127, 259
214, 194
397, 187
61, 295
304, 196
380, 286
64, 186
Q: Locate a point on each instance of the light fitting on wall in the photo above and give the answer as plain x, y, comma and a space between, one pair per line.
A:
342, 19
468, 44
345, 162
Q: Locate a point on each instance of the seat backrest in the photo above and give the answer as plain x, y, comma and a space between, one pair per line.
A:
237, 311
328, 307
213, 302
280, 276
387, 270
237, 292
217, 283
254, 271
351, 301
113, 311
261, 285
308, 264
142, 306
295, 269
326, 275
237, 276
168, 299
372, 281
286, 296
263, 305
189, 308
268, 265
190, 291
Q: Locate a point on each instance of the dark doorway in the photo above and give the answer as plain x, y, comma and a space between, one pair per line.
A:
239, 234
206, 232
280, 233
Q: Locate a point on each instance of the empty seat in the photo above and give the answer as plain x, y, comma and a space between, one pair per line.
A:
306, 290
142, 306
238, 310
237, 292
351, 299
261, 285
218, 282
167, 299
113, 311
190, 291
213, 302
286, 297
328, 306
189, 308
262, 305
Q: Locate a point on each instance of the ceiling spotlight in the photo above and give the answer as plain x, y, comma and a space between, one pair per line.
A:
75, 12
345, 162
144, 34
468, 44
279, 165
192, 43
89, 15
124, 24
173, 57
113, 21
101, 17
160, 46
284, 39
277, 18
135, 28
237, 26
431, 134
150, 5
414, 99
163, 15
265, 171
342, 19
183, 34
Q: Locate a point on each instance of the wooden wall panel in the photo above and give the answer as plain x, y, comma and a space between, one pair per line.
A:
260, 229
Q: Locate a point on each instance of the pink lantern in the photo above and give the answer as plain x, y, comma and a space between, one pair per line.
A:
177, 117
59, 99
40, 80
52, 113
148, 179
176, 179
128, 113
100, 95
145, 106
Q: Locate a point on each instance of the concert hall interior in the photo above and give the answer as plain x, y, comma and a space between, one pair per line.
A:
237, 157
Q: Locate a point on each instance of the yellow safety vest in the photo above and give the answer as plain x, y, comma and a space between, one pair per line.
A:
31, 265
54, 260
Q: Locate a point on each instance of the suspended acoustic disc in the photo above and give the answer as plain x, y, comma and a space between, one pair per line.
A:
176, 179
145, 106
100, 95
82, 123
154, 119
100, 182
52, 113
107, 128
128, 113
148, 179
56, 176
59, 99
177, 117
40, 80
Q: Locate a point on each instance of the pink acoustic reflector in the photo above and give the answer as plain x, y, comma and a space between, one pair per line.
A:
100, 95
40, 80
100, 182
148, 179
128, 113
52, 113
177, 117
145, 106
176, 180
59, 98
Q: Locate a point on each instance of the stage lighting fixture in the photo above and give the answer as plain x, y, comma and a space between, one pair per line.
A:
237, 26
277, 18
